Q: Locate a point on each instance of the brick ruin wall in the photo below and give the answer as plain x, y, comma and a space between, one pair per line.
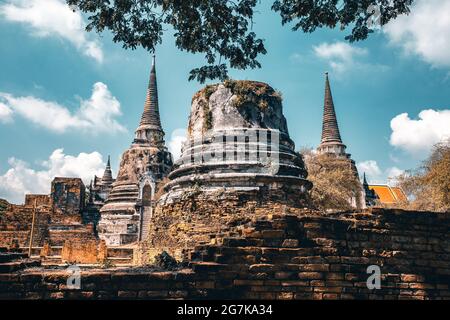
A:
200, 218
59, 217
67, 196
281, 256
15, 225
89, 251
38, 199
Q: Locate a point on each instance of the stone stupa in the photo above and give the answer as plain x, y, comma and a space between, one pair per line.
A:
238, 163
238, 142
129, 205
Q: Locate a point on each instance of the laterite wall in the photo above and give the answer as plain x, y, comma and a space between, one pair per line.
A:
282, 257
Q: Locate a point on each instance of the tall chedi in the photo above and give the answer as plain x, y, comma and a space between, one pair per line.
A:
331, 143
128, 209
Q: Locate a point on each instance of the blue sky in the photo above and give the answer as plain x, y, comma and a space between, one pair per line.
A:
69, 98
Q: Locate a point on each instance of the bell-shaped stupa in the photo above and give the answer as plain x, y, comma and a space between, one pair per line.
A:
238, 142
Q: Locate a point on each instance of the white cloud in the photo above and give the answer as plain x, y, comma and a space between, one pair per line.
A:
340, 55
177, 139
5, 113
392, 174
47, 18
21, 179
375, 175
394, 158
418, 136
96, 114
370, 167
424, 32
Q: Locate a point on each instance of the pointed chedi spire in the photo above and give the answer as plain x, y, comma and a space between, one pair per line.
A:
150, 116
365, 184
107, 175
330, 128
91, 193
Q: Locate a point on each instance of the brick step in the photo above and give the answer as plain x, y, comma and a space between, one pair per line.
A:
52, 261
55, 257
207, 266
18, 265
120, 252
121, 198
11, 256
124, 193
146, 222
117, 261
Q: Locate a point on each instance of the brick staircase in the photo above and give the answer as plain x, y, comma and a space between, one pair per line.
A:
120, 256
146, 217
13, 261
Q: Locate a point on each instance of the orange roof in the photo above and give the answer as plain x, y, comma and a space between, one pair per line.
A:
384, 194
399, 194
389, 195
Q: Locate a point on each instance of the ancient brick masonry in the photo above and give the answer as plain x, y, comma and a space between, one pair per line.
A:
200, 219
58, 217
67, 196
317, 257
15, 222
281, 256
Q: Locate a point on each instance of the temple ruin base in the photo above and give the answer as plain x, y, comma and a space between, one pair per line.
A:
279, 256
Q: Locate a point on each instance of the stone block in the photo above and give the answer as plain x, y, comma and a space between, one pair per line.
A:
311, 275
290, 243
254, 268
127, 294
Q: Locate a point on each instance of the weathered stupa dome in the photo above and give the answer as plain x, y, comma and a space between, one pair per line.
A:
238, 141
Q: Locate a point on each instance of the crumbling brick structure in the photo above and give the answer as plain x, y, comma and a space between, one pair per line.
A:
68, 196
58, 217
89, 251
281, 256
15, 222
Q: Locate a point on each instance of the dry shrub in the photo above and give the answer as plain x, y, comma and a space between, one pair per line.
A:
334, 180
428, 187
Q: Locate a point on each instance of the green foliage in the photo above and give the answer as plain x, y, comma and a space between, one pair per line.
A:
253, 92
203, 100
221, 30
207, 117
218, 29
308, 15
209, 90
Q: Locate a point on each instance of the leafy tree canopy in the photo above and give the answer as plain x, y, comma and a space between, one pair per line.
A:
222, 29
